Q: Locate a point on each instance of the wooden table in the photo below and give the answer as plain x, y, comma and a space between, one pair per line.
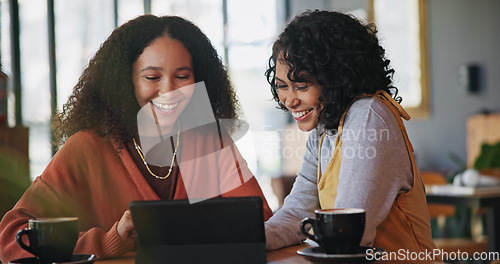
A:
287, 255
489, 201
281, 256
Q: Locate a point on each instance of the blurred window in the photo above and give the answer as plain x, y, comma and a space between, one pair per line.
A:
241, 31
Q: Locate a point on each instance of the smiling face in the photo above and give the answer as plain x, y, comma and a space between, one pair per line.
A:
300, 98
163, 77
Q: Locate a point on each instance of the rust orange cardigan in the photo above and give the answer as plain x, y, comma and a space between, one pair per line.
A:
93, 180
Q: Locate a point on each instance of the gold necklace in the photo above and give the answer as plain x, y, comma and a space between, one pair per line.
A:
139, 150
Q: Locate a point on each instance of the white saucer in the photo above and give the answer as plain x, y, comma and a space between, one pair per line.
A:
76, 259
317, 254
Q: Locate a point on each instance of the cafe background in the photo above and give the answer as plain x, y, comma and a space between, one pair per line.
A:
450, 64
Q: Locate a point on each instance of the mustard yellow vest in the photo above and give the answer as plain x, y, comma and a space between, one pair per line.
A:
407, 225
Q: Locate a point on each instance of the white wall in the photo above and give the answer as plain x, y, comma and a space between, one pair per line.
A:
460, 32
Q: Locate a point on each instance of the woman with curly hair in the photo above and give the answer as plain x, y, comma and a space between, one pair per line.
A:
330, 72
150, 68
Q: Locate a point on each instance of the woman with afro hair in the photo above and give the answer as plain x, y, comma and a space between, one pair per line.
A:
329, 71
145, 86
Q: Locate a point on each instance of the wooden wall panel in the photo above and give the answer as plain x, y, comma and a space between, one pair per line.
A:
481, 129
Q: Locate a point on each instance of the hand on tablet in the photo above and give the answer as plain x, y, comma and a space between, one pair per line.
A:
125, 229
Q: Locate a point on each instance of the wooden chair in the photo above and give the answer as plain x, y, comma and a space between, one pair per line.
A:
440, 212
437, 210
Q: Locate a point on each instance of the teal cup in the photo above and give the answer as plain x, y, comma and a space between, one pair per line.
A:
337, 231
50, 239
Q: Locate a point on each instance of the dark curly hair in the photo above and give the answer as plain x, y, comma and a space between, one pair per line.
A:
340, 52
104, 100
